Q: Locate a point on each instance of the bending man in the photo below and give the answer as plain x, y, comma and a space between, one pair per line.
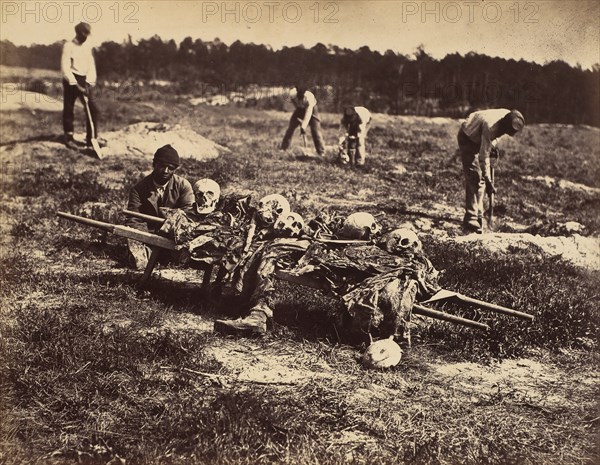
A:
356, 122
476, 142
306, 114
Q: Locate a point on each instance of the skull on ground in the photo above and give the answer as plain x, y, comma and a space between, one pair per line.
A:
384, 353
207, 193
360, 225
271, 207
401, 241
290, 225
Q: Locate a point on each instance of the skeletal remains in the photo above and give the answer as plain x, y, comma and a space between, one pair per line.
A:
360, 225
271, 207
289, 225
273, 213
384, 353
401, 240
207, 193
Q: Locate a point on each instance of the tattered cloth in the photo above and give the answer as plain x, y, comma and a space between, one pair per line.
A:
378, 289
214, 238
255, 272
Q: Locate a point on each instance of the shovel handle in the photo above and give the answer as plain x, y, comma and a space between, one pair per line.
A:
429, 312
493, 307
303, 133
491, 198
88, 114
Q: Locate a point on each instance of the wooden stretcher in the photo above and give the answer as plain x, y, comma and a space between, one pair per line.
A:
157, 243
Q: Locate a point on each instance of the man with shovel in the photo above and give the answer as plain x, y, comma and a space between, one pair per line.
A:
477, 145
79, 78
305, 114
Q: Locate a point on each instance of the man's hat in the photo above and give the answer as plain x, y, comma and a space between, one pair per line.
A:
83, 28
167, 154
517, 121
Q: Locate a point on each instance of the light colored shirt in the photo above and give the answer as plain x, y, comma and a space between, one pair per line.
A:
364, 116
160, 190
78, 59
308, 103
483, 128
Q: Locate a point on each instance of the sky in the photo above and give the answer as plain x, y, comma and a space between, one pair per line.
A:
539, 31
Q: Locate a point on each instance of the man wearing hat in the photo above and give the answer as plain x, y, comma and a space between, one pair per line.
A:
161, 188
305, 114
79, 78
477, 139
356, 122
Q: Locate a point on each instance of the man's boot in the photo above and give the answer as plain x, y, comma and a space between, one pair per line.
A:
254, 324
472, 225
70, 141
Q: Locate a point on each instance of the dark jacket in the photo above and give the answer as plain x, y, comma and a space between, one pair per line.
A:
143, 198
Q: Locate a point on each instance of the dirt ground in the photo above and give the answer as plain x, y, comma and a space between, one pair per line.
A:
537, 382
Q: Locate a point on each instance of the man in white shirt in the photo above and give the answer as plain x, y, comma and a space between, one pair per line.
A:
306, 114
356, 122
477, 142
79, 77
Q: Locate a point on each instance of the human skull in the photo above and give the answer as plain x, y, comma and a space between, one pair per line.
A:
271, 207
384, 353
290, 225
401, 240
360, 225
207, 193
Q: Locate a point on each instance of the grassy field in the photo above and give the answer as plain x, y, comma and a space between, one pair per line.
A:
95, 370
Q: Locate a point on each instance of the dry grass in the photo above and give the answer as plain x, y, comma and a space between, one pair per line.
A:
94, 369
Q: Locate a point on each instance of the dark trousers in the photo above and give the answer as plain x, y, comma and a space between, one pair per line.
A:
72, 93
315, 129
474, 184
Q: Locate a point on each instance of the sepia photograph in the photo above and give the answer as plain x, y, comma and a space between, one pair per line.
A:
313, 232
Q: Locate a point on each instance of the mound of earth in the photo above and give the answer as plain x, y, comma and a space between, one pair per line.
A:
142, 140
14, 98
383, 118
577, 250
563, 184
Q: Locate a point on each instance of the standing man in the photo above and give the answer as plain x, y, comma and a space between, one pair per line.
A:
305, 114
477, 142
356, 122
162, 188
79, 78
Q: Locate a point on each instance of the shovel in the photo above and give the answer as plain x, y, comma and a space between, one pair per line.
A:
491, 197
446, 295
305, 152
94, 141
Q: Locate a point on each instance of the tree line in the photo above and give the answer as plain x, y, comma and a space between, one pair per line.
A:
384, 82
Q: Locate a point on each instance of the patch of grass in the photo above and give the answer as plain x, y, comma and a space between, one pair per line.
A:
93, 374
90, 371
560, 296
63, 182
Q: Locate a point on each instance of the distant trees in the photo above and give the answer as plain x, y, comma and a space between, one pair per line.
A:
33, 56
388, 82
